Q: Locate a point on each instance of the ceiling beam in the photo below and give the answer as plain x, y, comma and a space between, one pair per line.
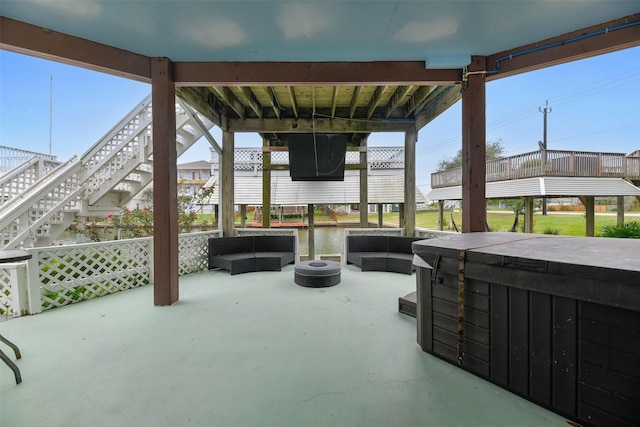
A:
294, 103
354, 101
321, 125
375, 100
229, 98
396, 99
273, 99
310, 73
252, 99
438, 101
417, 99
334, 101
198, 97
587, 42
27, 39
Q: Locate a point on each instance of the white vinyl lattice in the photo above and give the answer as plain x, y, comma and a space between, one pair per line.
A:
18, 181
74, 273
7, 306
193, 250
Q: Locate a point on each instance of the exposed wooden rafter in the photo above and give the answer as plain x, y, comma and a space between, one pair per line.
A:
275, 105
229, 98
253, 101
333, 125
294, 102
375, 100
396, 99
354, 101
334, 100
417, 99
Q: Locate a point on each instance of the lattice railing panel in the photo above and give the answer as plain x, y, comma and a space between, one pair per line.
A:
193, 249
432, 234
18, 181
76, 273
373, 232
7, 305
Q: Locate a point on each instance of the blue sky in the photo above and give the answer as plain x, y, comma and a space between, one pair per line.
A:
595, 107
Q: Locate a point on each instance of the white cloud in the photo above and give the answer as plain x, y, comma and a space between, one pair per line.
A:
426, 31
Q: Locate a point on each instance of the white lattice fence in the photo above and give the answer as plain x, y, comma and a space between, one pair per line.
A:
432, 234
7, 305
193, 250
74, 273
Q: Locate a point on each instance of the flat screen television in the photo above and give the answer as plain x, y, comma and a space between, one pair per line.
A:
317, 157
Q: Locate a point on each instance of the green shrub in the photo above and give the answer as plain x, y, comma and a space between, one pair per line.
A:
551, 230
630, 230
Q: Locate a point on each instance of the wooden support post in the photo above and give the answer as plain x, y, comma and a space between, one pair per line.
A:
440, 215
226, 167
364, 187
165, 179
216, 214
528, 214
474, 211
401, 217
311, 233
266, 186
620, 210
589, 204
408, 213
243, 216
380, 219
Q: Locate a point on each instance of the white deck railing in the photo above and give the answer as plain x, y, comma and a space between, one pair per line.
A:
63, 275
549, 163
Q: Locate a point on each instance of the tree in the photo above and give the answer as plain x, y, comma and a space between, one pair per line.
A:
494, 150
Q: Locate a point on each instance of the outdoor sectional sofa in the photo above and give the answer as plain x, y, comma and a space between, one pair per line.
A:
381, 253
244, 254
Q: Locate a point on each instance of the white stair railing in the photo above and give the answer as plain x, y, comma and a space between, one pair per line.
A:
16, 182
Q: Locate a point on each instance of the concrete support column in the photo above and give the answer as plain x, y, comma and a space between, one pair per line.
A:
266, 186
474, 211
226, 167
311, 233
620, 210
380, 219
364, 186
165, 178
528, 214
440, 215
409, 210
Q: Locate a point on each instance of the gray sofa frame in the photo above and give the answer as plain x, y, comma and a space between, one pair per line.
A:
245, 254
381, 253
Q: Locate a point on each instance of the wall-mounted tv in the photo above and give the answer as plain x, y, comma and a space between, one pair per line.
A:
317, 157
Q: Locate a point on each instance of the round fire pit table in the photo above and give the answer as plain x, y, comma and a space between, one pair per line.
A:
316, 274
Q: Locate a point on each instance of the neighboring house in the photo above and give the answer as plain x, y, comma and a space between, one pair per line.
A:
192, 176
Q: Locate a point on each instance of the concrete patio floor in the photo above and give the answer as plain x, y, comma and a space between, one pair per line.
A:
246, 350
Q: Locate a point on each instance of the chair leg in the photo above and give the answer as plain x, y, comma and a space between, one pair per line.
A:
15, 348
14, 368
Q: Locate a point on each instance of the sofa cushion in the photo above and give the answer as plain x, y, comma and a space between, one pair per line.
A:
230, 245
274, 243
367, 243
401, 245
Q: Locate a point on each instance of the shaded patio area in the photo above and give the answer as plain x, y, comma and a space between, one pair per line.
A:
252, 349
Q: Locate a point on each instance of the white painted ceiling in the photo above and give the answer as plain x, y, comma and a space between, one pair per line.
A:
441, 31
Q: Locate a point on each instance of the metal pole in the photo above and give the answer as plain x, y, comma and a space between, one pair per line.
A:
50, 111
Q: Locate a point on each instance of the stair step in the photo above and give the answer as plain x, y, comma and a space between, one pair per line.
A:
408, 304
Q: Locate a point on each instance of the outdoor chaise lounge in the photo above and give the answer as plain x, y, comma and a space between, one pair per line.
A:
245, 254
381, 253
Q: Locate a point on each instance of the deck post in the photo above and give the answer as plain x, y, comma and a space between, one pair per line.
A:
528, 214
474, 212
380, 219
440, 215
165, 184
409, 210
227, 204
620, 210
266, 185
589, 204
364, 186
243, 216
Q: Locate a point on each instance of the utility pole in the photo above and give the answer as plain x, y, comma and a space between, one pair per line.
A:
543, 147
50, 111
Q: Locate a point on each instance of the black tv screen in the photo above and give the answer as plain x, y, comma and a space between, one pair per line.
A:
317, 157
